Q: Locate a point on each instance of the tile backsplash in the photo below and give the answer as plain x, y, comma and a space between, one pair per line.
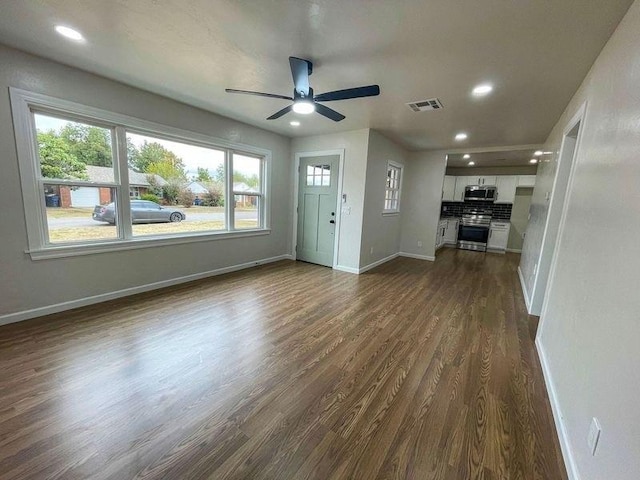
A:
501, 211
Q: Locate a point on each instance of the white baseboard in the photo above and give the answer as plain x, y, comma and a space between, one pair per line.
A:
523, 285
514, 250
103, 297
342, 268
377, 262
565, 446
419, 257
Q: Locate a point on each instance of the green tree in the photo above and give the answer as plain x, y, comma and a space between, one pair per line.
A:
155, 153
251, 180
132, 154
90, 145
169, 169
203, 175
57, 160
219, 175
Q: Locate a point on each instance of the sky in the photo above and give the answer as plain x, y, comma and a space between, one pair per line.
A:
192, 156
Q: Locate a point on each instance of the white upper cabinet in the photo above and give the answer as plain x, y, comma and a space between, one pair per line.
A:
506, 188
486, 180
461, 184
449, 188
453, 187
526, 180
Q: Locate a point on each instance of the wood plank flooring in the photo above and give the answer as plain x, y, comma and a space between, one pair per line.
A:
414, 370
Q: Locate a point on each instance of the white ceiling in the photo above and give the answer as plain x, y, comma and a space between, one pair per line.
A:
536, 53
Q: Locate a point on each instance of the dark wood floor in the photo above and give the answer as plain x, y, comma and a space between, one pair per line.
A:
414, 370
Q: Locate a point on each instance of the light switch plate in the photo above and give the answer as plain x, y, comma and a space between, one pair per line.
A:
594, 435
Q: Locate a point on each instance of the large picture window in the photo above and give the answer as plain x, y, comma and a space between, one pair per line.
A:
93, 180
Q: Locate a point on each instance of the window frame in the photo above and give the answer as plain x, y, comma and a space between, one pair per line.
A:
25, 103
400, 168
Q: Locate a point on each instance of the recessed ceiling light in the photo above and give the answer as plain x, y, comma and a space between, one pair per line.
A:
69, 33
294, 123
533, 160
537, 153
482, 90
466, 156
461, 136
471, 164
304, 107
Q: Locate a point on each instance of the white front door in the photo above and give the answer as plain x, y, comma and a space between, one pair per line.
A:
318, 188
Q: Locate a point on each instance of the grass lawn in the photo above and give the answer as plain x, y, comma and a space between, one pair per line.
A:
108, 232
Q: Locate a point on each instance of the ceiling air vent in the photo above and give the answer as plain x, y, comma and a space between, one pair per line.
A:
424, 105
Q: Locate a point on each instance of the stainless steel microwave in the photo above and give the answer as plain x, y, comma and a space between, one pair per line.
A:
480, 193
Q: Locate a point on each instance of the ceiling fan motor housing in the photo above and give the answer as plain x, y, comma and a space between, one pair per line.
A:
302, 95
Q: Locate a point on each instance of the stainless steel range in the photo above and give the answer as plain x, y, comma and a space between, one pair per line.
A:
473, 231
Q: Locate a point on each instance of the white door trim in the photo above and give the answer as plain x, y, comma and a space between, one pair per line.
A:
296, 174
578, 118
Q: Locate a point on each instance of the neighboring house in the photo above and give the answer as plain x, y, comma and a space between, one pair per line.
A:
91, 196
196, 188
244, 200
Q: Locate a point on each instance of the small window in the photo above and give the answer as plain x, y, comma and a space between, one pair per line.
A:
393, 188
319, 175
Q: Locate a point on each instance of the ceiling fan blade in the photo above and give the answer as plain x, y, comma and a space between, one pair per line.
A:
258, 94
329, 113
280, 113
358, 92
300, 70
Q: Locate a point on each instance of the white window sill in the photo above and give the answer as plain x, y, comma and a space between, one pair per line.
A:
136, 243
391, 213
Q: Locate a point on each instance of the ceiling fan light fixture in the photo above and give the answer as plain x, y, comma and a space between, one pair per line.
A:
304, 107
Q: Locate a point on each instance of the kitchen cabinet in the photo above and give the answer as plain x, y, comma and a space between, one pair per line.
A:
526, 180
451, 231
453, 187
449, 188
498, 236
442, 228
506, 185
461, 184
486, 180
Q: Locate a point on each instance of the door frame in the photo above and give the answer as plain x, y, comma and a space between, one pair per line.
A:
296, 174
578, 118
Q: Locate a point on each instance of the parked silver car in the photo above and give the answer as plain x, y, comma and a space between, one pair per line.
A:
142, 211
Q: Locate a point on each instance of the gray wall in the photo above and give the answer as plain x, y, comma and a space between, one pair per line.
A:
421, 205
27, 284
588, 334
380, 232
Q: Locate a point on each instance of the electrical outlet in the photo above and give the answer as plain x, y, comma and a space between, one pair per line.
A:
419, 243
371, 251
594, 435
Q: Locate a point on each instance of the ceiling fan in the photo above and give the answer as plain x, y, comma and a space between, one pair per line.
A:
304, 101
